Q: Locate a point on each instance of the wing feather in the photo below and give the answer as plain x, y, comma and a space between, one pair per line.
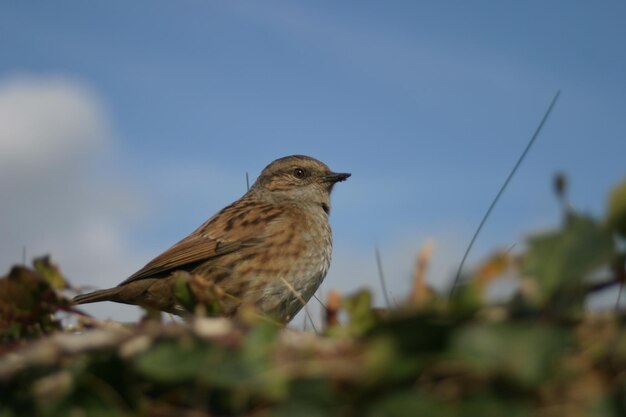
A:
241, 225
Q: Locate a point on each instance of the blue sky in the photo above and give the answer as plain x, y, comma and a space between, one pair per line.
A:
428, 104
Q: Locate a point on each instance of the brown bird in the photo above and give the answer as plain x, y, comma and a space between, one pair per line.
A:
270, 249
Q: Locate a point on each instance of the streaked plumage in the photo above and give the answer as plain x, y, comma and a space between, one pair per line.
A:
271, 248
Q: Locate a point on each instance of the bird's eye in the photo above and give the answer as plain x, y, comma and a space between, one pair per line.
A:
299, 173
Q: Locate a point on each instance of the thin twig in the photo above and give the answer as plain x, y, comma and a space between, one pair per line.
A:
382, 276
308, 315
301, 299
506, 183
247, 182
320, 301
510, 249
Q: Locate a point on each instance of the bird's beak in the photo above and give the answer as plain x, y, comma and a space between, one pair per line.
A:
334, 177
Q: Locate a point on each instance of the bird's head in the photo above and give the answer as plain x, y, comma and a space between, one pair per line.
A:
297, 179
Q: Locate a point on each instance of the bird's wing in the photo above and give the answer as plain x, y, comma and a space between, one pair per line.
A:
241, 225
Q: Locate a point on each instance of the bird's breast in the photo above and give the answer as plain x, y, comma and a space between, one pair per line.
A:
312, 248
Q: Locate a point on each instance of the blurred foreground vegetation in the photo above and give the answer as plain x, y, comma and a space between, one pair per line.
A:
540, 353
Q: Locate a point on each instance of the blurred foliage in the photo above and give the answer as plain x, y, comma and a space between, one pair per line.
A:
28, 301
536, 353
616, 215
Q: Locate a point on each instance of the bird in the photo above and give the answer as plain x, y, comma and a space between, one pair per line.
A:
270, 249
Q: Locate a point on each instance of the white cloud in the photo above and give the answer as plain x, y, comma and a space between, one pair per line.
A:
53, 131
47, 121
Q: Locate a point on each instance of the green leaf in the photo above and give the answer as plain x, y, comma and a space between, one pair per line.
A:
247, 367
261, 340
412, 403
467, 299
310, 397
524, 352
407, 342
562, 259
28, 300
50, 272
360, 313
409, 404
171, 361
616, 212
416, 332
182, 292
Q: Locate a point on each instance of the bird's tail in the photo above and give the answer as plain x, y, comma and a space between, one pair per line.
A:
109, 294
